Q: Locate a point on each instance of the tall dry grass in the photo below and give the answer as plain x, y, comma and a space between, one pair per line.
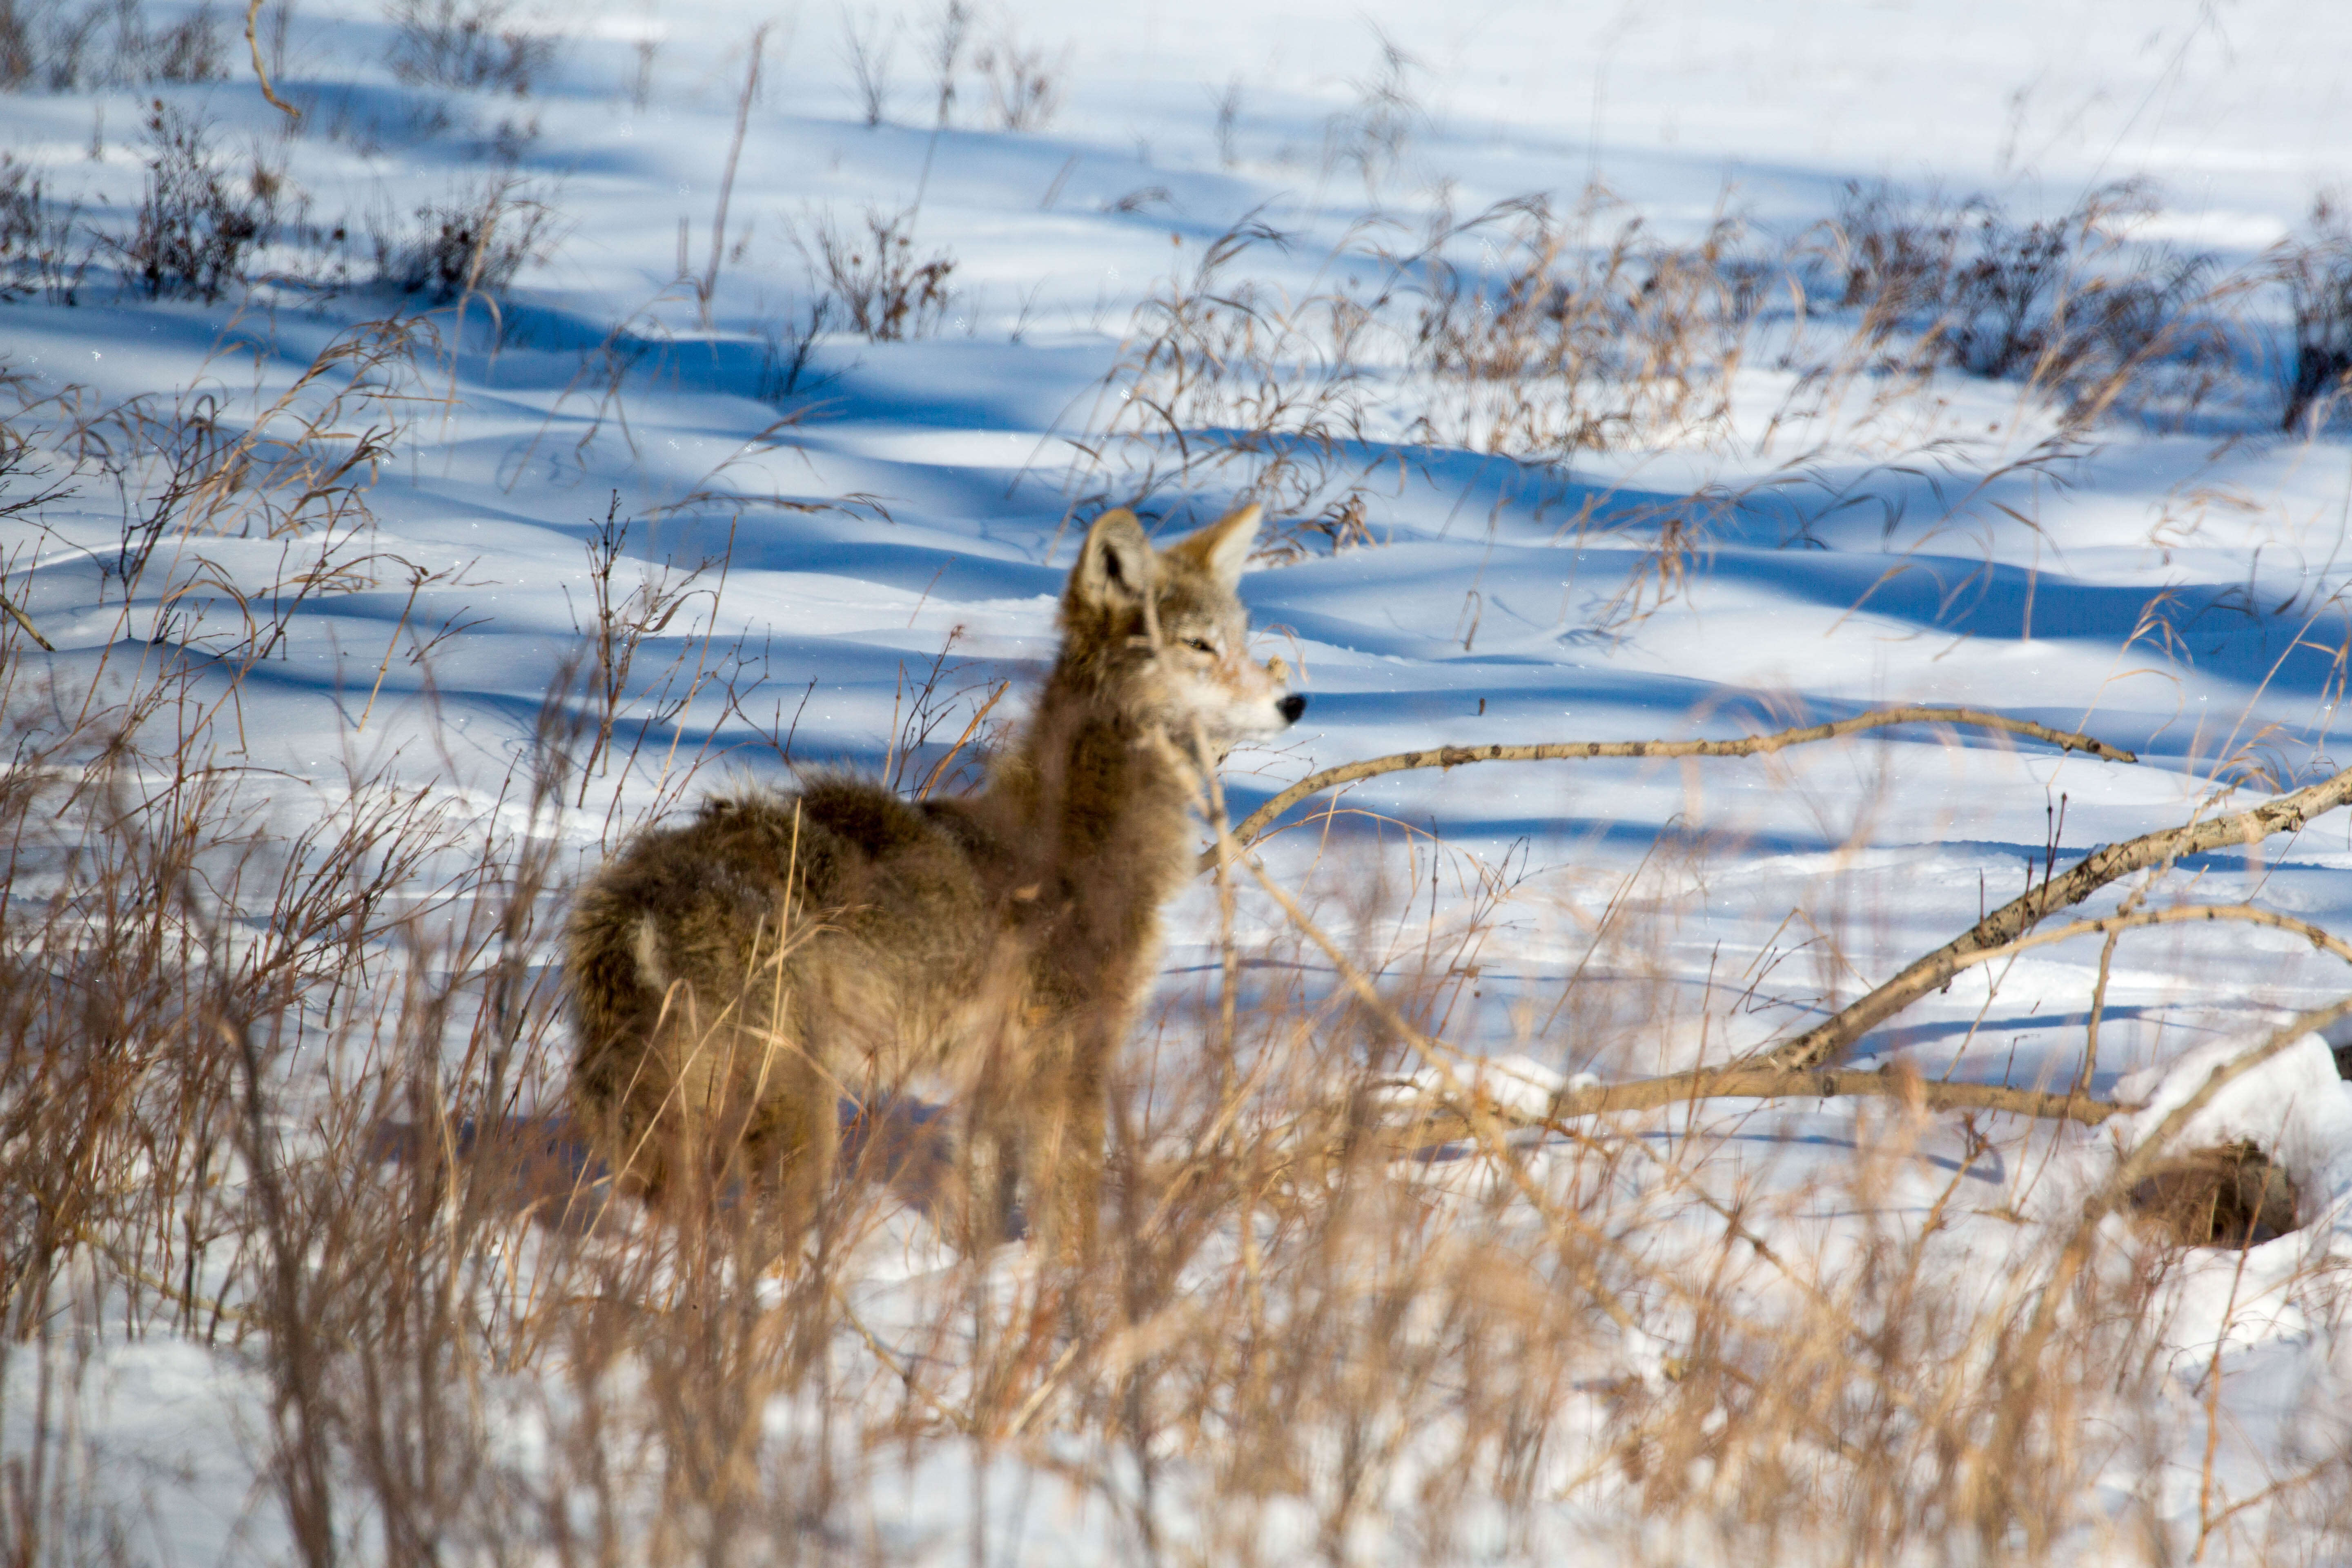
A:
288, 1084
292, 1096
1299, 1338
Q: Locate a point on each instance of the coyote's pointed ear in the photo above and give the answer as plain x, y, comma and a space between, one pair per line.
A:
1114, 565
1224, 546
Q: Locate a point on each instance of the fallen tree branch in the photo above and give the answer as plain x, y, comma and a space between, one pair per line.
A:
1484, 1117
1752, 1083
2320, 938
1827, 1041
1775, 1083
1257, 821
1768, 1083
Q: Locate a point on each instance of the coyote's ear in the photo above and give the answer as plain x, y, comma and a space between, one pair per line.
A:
1114, 565
1224, 546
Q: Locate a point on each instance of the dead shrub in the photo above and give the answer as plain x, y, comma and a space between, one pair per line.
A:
887, 293
2316, 268
18, 47
1373, 133
786, 346
470, 46
102, 43
1557, 347
474, 244
198, 219
188, 51
950, 32
2068, 303
42, 251
867, 49
1023, 90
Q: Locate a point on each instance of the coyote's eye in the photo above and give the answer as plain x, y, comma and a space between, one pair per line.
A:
1200, 644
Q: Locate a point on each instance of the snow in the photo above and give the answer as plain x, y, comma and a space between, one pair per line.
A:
2170, 585
2295, 1107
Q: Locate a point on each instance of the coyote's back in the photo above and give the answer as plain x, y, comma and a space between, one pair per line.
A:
707, 957
733, 980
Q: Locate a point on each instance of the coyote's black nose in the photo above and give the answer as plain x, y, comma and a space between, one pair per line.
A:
1291, 707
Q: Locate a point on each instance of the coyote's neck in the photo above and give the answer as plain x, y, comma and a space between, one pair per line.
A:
1097, 809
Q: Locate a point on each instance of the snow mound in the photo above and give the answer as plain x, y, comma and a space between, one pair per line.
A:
2292, 1107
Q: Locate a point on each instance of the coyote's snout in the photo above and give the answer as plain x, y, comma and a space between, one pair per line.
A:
734, 979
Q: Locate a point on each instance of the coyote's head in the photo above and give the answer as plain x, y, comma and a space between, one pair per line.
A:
1163, 633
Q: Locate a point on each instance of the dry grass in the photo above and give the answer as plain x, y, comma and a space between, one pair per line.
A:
2316, 268
1343, 1307
1302, 1336
1578, 340
883, 291
1295, 1343
1022, 79
1536, 338
62, 48
470, 45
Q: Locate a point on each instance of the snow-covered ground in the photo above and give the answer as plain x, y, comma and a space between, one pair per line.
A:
828, 512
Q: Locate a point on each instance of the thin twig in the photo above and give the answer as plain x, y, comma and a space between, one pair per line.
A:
940, 768
415, 582
164, 1288
252, 42
1257, 821
897, 1368
1440, 1059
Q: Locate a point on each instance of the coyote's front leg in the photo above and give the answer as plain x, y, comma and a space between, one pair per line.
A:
1063, 1151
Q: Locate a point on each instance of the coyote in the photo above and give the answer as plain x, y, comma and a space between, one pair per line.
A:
736, 980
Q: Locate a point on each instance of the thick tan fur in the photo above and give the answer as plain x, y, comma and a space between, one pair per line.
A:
734, 978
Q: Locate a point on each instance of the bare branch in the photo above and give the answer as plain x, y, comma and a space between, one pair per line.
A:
1765, 1083
1827, 1041
1255, 824
2177, 914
